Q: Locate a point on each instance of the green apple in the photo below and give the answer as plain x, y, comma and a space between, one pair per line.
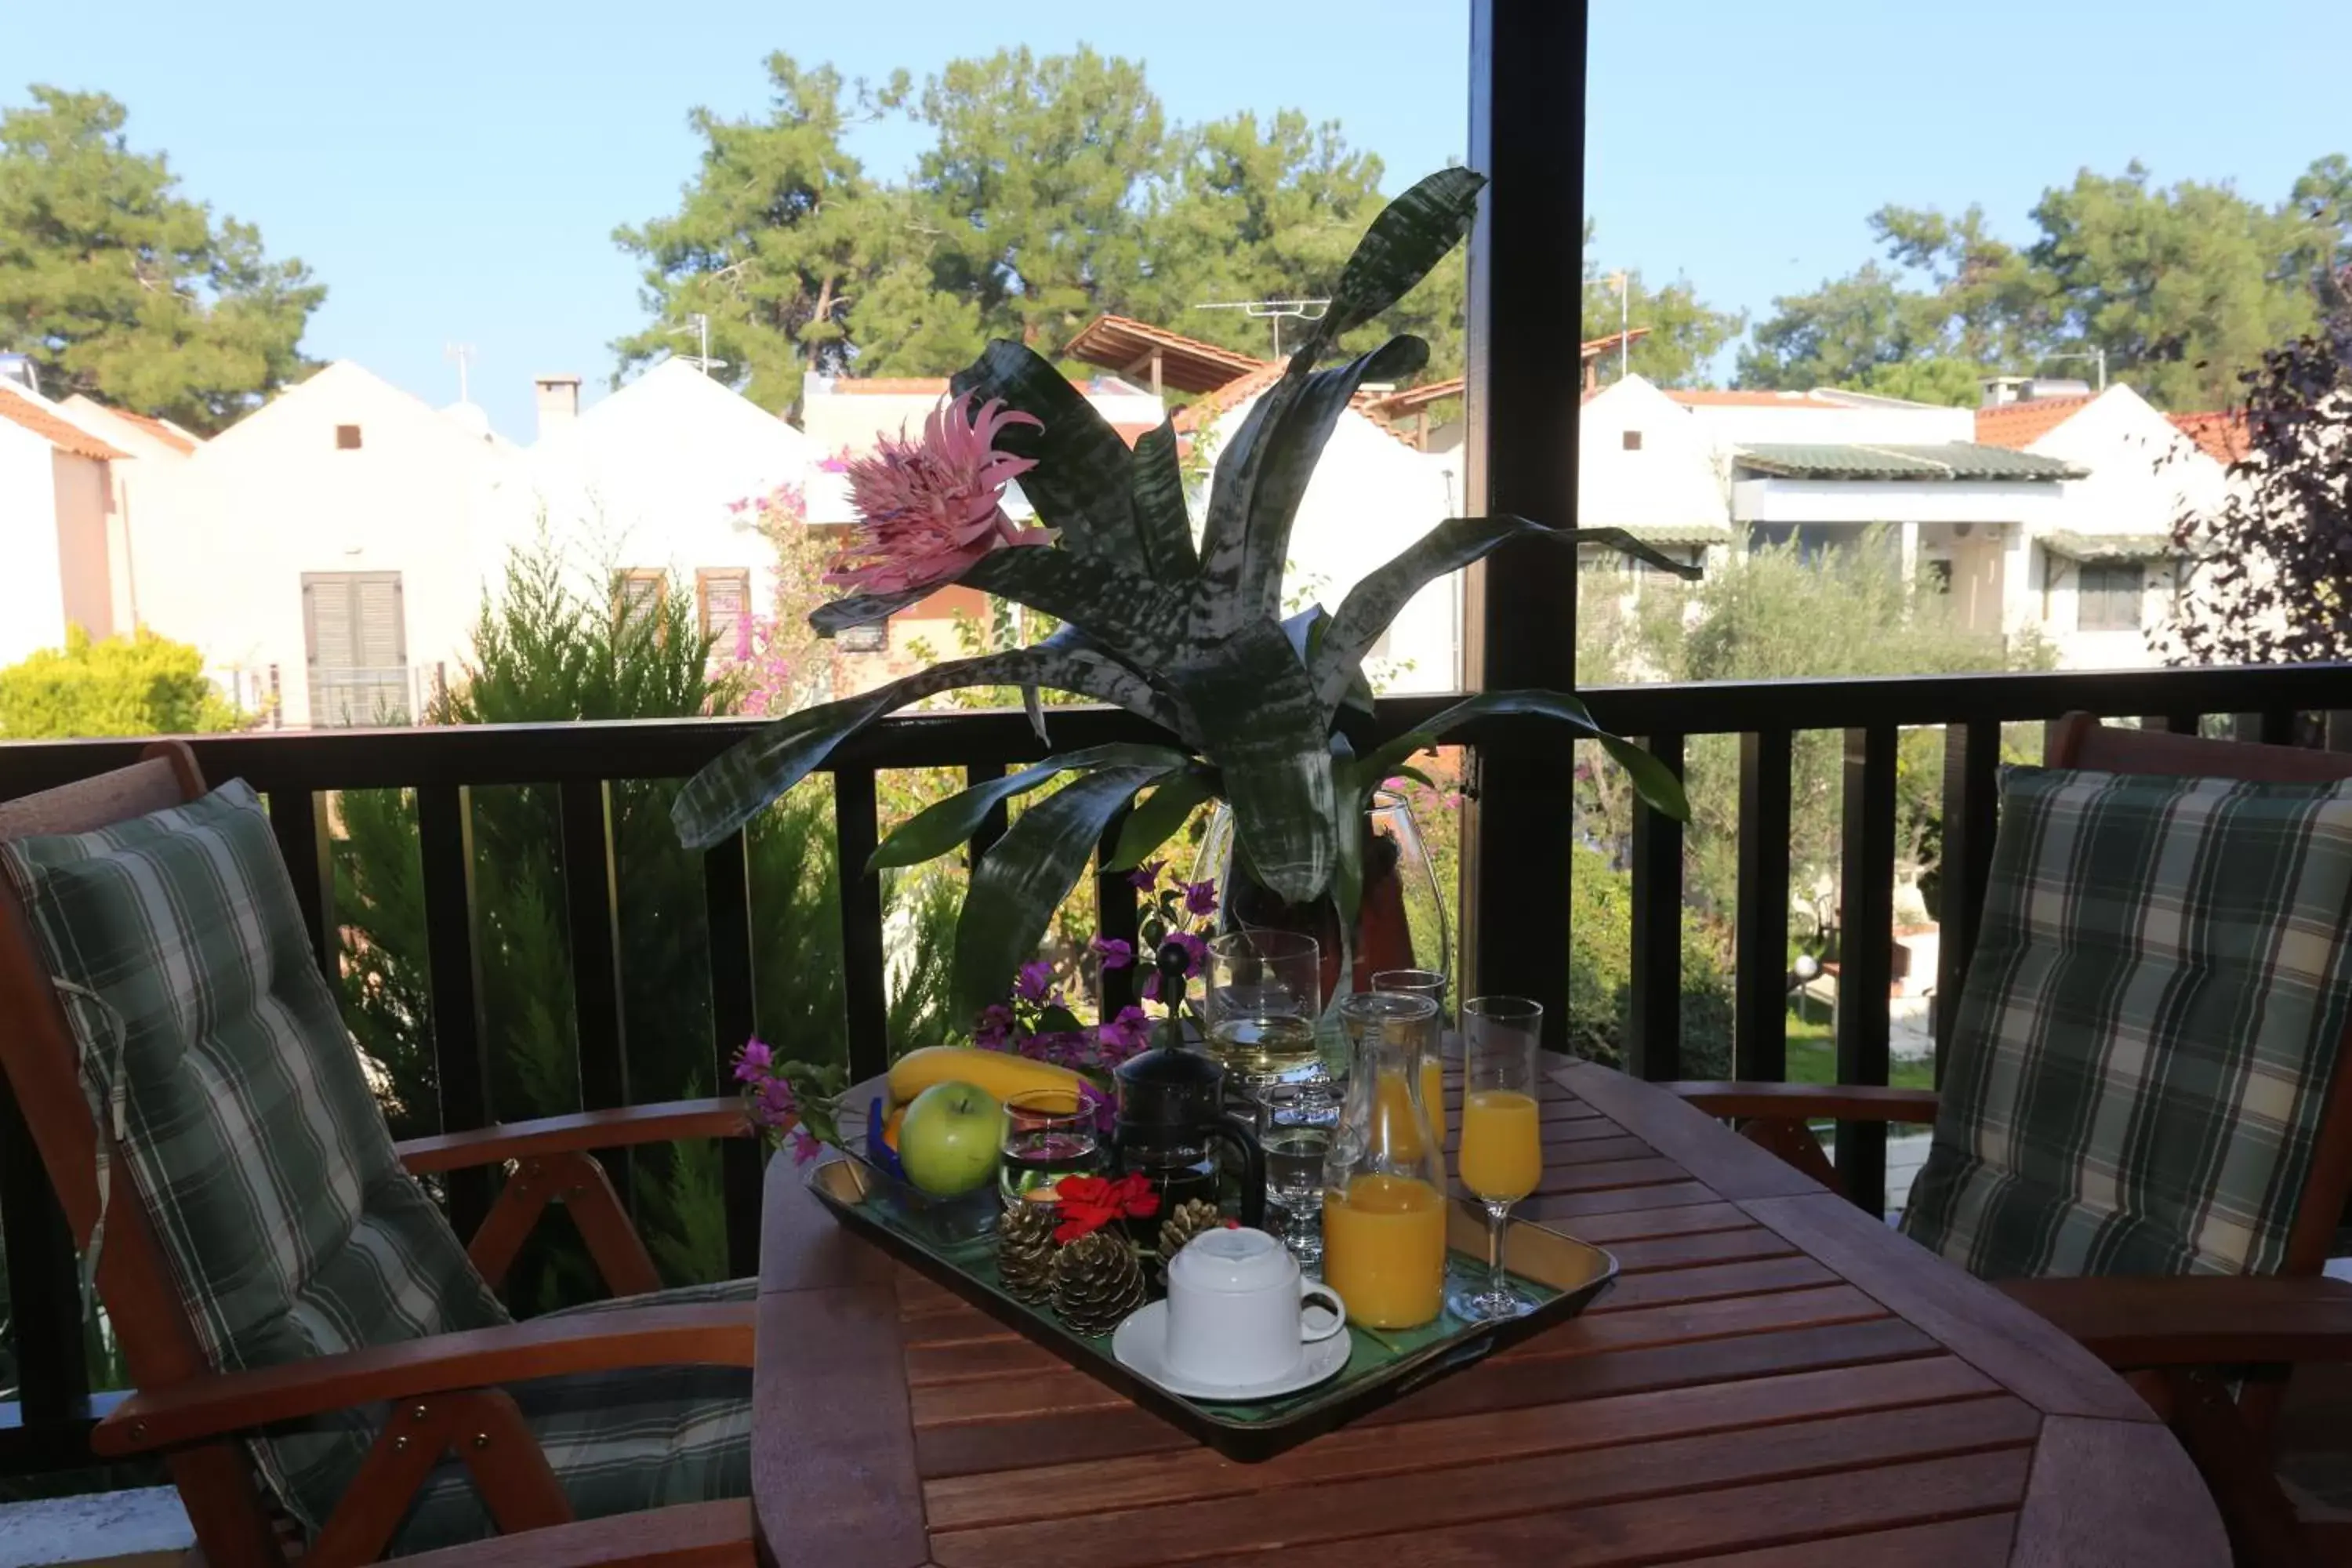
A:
950, 1139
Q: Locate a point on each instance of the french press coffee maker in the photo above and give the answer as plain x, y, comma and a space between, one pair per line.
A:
1172, 1116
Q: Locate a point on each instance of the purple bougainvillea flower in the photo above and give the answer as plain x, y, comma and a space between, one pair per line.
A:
804, 1146
1200, 897
1036, 981
994, 1030
1114, 954
752, 1061
1129, 1031
1196, 950
1146, 877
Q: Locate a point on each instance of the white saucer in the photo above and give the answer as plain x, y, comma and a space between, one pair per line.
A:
1141, 1340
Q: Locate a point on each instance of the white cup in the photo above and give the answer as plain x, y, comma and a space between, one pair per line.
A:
1240, 1313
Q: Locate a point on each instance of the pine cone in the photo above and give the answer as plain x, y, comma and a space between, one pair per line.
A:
1187, 1220
1026, 1250
1098, 1281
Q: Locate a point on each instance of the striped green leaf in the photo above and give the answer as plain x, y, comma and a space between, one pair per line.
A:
1260, 726
951, 823
1024, 877
1165, 810
1161, 515
1082, 484
1410, 236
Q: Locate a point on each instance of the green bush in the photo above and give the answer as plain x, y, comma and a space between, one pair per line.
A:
545, 652
1600, 973
137, 685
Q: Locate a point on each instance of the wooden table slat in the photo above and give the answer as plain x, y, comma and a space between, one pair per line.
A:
1441, 1491
2153, 1506
1732, 1166
1974, 1321
962, 1501
1968, 1543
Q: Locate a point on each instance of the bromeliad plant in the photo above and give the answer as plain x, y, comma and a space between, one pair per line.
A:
1191, 636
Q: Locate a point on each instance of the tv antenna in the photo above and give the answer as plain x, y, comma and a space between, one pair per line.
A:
461, 355
699, 324
1274, 311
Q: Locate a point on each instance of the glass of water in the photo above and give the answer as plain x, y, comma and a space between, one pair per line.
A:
1297, 1140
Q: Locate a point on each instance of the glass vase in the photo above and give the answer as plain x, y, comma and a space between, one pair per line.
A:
1399, 922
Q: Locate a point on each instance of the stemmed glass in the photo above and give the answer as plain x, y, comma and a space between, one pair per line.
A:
1501, 1157
1265, 992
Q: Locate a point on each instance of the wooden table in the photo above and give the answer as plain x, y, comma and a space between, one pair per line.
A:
1776, 1380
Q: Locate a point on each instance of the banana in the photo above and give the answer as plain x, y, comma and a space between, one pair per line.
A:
999, 1072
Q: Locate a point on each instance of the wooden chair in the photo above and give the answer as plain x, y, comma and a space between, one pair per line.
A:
446, 1391
2185, 1338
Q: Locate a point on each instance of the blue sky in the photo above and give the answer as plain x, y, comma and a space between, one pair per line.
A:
455, 174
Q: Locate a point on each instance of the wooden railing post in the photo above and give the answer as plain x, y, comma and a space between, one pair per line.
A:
1654, 1017
1115, 917
44, 1288
592, 903
1865, 950
1760, 972
1971, 774
866, 980
734, 1018
444, 832
299, 825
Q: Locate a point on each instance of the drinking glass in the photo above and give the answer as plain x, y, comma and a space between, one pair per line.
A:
1265, 992
1429, 982
1295, 1153
1501, 1157
1049, 1133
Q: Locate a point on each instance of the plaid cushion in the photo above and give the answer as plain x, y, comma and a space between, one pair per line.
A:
266, 1170
2152, 1013
619, 1441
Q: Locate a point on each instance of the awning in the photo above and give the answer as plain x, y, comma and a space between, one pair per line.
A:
1931, 461
2110, 546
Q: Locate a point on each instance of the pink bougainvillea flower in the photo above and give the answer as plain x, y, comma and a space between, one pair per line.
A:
928, 509
806, 1146
752, 1061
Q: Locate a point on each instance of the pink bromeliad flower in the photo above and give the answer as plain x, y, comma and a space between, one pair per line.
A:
930, 509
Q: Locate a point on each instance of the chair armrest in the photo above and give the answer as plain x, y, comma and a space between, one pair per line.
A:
2199, 1320
1808, 1102
611, 1128
713, 1334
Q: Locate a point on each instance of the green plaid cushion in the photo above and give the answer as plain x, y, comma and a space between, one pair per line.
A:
619, 1441
2143, 1047
266, 1168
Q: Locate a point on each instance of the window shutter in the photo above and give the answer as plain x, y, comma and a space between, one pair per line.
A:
726, 602
381, 640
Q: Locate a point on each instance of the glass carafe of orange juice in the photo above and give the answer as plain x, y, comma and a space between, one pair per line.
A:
1383, 1182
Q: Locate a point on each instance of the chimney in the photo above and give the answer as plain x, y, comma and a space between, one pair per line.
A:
558, 402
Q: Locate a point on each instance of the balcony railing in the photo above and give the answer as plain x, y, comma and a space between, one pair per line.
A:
294, 770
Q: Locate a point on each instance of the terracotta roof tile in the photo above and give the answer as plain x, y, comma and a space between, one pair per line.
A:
1708, 397
1123, 344
175, 439
892, 386
2221, 437
1204, 411
2018, 426
60, 432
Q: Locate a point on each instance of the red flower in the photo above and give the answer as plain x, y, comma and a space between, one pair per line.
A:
1090, 1203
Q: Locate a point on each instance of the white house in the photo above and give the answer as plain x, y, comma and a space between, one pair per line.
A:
650, 483
62, 561
1372, 496
2107, 571
321, 551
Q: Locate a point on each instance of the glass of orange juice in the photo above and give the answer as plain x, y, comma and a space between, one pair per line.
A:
1501, 1157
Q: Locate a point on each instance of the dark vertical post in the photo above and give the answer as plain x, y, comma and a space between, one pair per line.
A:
300, 829
992, 826
2278, 727
865, 983
1865, 950
1759, 1039
592, 907
1524, 388
44, 1282
1972, 770
1653, 1020
444, 832
1115, 917
734, 1018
